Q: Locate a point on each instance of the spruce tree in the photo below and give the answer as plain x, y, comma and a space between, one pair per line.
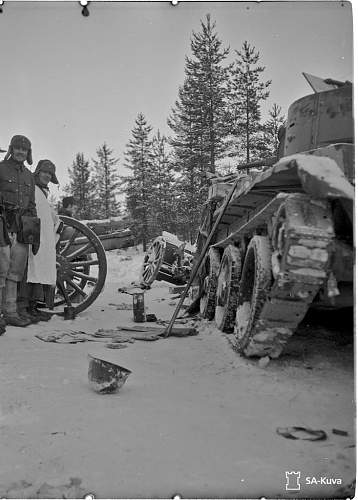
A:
183, 122
163, 193
247, 91
81, 186
191, 194
199, 122
188, 162
209, 78
106, 183
138, 185
199, 115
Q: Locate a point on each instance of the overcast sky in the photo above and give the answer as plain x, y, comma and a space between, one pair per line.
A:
70, 82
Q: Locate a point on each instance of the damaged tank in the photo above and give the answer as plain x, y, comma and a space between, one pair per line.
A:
284, 241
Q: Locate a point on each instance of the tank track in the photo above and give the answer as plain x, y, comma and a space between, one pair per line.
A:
210, 299
207, 307
302, 240
229, 323
225, 319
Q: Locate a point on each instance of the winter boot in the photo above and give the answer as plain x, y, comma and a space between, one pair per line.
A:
43, 315
2, 326
2, 321
22, 305
11, 316
14, 319
40, 315
24, 314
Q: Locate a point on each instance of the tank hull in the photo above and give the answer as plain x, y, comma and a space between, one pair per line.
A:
292, 224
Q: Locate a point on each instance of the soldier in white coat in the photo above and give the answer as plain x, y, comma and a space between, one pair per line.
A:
42, 266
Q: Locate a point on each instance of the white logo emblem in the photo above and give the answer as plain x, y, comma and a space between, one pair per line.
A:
293, 481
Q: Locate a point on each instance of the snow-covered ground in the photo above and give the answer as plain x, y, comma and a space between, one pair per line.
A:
194, 418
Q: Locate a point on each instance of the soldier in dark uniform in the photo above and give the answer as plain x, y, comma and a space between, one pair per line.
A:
17, 190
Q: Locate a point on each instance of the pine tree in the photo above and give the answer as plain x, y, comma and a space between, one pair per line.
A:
81, 187
199, 121
246, 95
209, 79
199, 115
138, 185
271, 127
188, 162
106, 183
182, 121
191, 193
163, 193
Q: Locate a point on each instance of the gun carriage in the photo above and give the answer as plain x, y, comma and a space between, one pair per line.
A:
81, 260
167, 259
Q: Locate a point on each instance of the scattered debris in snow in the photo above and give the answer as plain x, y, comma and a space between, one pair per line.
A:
263, 362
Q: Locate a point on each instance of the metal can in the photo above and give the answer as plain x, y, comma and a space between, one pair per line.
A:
138, 307
69, 312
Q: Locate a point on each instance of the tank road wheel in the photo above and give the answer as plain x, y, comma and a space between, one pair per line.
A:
208, 297
279, 241
255, 285
277, 287
153, 259
228, 289
81, 266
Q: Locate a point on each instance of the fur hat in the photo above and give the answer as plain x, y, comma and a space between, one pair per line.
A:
22, 142
47, 166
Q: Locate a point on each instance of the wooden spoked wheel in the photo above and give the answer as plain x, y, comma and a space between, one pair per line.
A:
153, 260
228, 289
81, 266
208, 288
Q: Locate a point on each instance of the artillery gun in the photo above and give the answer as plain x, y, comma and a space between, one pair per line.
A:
284, 243
167, 259
81, 260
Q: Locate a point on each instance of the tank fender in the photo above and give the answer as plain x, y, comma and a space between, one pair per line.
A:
321, 177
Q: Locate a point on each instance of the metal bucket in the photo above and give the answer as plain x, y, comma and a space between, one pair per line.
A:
69, 312
138, 307
105, 377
